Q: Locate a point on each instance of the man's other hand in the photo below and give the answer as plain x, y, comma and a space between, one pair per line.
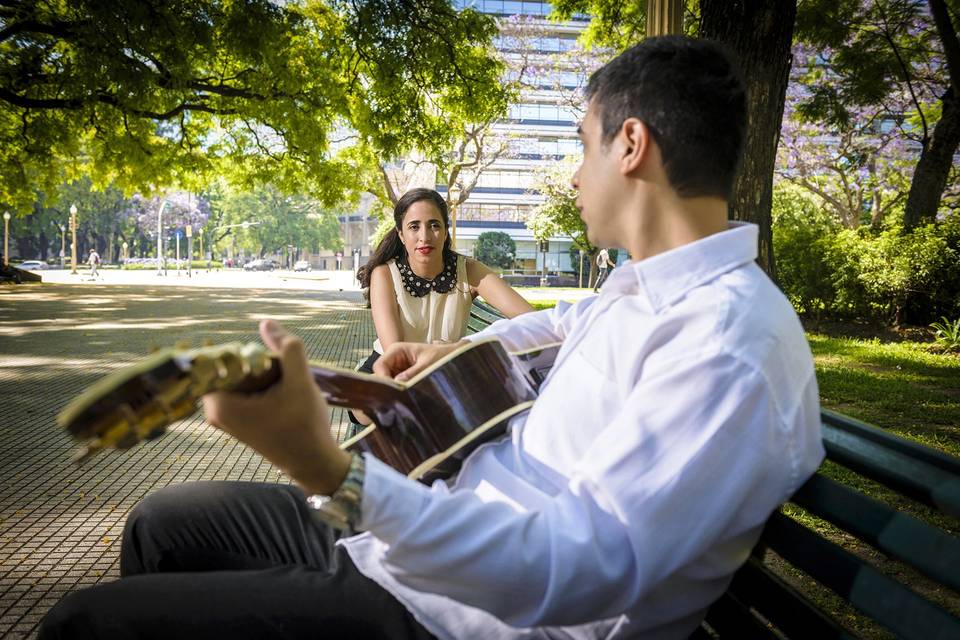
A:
403, 360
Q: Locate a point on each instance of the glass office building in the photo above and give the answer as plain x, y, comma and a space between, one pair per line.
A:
538, 131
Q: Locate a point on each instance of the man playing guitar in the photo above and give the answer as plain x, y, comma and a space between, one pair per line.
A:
681, 411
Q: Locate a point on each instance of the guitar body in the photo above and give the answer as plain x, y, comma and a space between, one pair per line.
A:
426, 429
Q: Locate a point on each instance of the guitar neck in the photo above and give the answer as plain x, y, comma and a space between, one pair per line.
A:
355, 390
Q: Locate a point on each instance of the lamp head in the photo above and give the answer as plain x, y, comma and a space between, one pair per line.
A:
73, 209
6, 215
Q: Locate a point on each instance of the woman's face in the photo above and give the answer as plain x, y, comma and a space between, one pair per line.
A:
423, 234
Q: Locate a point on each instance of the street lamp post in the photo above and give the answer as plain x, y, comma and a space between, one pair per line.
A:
454, 192
73, 234
580, 282
63, 246
125, 245
189, 251
6, 238
200, 231
160, 270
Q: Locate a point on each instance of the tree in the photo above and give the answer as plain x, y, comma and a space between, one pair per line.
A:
884, 48
495, 249
559, 215
283, 222
759, 33
478, 143
137, 93
855, 167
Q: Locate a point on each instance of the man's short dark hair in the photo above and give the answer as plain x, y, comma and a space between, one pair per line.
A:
691, 96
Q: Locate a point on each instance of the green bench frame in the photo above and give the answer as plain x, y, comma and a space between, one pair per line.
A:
761, 604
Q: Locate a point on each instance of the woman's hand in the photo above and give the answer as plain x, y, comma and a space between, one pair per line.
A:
288, 423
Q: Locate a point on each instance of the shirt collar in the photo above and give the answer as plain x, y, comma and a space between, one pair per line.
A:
668, 276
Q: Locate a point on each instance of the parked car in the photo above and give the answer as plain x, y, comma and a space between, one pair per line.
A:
259, 265
302, 265
33, 265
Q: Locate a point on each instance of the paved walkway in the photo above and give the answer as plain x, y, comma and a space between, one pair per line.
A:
60, 524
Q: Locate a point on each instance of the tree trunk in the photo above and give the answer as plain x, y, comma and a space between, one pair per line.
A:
933, 167
759, 33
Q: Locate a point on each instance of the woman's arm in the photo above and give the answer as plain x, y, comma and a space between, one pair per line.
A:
485, 282
383, 305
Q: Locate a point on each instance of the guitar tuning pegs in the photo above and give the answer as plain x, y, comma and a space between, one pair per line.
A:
207, 342
181, 345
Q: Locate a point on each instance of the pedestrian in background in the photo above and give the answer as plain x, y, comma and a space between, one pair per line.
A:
94, 261
605, 264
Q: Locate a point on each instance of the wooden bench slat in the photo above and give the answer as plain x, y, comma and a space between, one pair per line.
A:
484, 316
900, 535
486, 308
888, 602
730, 618
793, 614
917, 478
890, 441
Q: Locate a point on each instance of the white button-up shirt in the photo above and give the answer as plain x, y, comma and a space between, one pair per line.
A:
681, 411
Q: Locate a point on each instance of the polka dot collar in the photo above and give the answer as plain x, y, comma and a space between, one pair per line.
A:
419, 287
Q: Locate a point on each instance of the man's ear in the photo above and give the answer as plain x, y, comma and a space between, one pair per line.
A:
636, 140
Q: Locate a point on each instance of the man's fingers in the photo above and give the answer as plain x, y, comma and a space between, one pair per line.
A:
395, 359
293, 357
222, 408
272, 334
410, 371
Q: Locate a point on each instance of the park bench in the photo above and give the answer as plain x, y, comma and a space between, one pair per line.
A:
482, 315
758, 600
761, 604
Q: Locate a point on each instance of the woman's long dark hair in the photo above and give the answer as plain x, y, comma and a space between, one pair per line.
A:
391, 246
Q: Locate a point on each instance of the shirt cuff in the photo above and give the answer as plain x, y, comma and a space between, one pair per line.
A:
390, 500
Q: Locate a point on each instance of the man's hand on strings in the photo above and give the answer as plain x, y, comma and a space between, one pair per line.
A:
404, 360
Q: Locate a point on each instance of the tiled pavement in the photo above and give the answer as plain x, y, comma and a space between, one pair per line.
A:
60, 524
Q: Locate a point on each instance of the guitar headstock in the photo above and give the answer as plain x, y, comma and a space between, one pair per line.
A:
138, 402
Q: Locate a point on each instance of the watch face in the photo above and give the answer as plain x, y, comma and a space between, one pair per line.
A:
328, 511
342, 509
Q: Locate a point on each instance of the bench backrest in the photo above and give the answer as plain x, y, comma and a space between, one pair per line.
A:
482, 315
908, 549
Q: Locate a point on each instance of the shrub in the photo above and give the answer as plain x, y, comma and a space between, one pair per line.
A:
947, 334
495, 249
880, 275
802, 239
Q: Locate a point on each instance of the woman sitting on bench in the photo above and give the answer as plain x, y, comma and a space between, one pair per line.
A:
421, 289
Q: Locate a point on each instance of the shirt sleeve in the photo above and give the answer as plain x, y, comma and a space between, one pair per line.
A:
538, 328
668, 488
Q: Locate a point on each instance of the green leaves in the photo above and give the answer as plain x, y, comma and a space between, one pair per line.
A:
173, 93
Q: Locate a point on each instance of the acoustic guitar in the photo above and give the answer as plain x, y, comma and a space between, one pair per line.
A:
424, 427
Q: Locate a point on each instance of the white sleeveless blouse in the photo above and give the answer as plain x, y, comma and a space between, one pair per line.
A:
436, 317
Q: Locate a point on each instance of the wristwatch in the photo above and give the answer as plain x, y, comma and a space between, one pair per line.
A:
342, 509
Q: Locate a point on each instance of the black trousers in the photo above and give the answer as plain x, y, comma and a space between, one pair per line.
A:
233, 560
